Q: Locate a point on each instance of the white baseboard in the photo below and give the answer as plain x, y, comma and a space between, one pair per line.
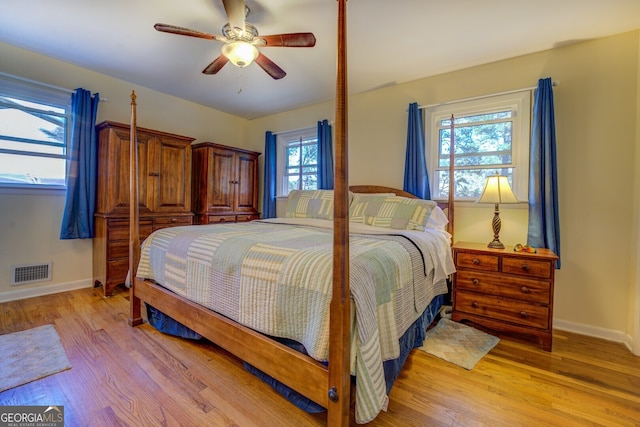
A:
38, 291
594, 331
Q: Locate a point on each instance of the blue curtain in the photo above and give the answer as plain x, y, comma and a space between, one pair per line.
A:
82, 168
269, 197
416, 179
325, 156
544, 226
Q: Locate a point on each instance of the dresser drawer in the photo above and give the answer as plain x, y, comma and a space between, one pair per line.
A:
246, 218
507, 310
476, 261
117, 271
527, 267
171, 221
121, 232
117, 249
512, 287
221, 218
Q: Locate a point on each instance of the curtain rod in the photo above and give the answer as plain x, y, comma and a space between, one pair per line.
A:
422, 107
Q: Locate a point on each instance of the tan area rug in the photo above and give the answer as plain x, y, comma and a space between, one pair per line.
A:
30, 355
458, 343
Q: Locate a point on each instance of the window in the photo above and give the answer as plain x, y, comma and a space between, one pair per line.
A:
34, 134
491, 135
297, 160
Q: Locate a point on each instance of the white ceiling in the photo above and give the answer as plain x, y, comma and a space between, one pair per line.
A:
389, 42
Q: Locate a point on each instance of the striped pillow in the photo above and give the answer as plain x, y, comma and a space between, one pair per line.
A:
310, 204
394, 212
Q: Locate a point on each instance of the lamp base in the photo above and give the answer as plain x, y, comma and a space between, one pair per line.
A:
496, 224
495, 244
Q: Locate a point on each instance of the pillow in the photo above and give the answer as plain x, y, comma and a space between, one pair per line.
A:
396, 212
310, 204
438, 219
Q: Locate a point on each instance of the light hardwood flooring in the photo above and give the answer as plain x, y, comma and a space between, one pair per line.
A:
123, 376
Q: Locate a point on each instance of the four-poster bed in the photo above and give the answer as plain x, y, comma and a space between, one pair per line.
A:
329, 385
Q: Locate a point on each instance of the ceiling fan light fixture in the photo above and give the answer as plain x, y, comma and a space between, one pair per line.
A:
241, 54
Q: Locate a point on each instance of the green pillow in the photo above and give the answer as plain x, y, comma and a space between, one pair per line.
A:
310, 204
400, 213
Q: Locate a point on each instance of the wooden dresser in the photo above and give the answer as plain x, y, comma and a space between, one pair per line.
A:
505, 291
164, 167
224, 184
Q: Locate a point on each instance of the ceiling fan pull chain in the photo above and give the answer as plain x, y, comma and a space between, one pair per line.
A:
239, 80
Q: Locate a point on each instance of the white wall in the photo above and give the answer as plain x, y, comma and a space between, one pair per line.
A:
596, 110
597, 104
30, 224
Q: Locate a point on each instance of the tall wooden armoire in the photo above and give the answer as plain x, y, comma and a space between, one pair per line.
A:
225, 184
164, 171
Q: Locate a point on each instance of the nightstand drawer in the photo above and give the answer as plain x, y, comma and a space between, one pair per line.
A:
477, 261
527, 267
513, 311
512, 287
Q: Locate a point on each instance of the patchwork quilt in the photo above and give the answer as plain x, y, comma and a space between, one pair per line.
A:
276, 278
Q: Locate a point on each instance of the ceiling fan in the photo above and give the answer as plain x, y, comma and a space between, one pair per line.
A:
241, 41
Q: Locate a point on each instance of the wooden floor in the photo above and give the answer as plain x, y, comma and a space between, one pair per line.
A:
123, 376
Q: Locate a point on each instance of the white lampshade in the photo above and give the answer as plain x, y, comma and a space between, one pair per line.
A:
240, 53
497, 191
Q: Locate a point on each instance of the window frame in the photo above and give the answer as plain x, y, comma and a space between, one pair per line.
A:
518, 102
283, 141
44, 94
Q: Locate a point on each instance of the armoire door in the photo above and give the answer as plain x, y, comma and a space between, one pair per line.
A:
221, 180
169, 175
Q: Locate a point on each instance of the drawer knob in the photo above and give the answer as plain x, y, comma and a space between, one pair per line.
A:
476, 261
174, 219
524, 314
525, 267
475, 304
475, 281
525, 290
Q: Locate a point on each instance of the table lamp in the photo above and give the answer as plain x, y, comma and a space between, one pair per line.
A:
497, 190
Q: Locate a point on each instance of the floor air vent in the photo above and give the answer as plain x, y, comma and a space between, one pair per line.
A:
29, 273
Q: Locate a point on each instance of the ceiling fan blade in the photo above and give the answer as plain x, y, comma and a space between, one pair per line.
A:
216, 65
235, 12
270, 67
289, 40
166, 28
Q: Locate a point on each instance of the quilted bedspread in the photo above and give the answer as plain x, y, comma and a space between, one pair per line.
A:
277, 279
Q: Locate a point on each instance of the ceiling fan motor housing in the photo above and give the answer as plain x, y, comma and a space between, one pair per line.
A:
236, 34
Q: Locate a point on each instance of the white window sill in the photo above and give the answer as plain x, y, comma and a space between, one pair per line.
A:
32, 191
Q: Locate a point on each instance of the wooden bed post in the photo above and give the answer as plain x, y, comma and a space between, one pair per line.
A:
452, 189
340, 310
135, 317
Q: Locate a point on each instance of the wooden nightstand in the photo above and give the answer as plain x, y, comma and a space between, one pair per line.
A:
505, 291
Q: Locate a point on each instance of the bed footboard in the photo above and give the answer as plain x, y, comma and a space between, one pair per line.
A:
296, 370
